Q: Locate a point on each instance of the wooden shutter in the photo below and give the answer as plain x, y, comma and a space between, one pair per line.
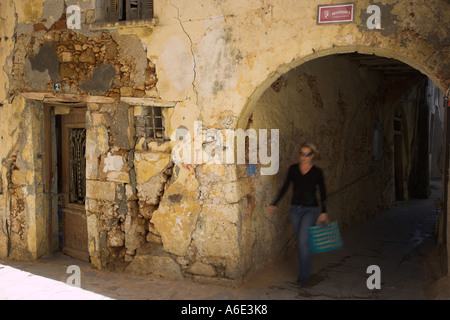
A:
147, 9
133, 9
117, 10
114, 10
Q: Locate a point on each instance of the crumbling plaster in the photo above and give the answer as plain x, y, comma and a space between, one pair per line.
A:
24, 214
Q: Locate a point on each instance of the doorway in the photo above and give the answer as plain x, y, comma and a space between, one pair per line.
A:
398, 159
66, 178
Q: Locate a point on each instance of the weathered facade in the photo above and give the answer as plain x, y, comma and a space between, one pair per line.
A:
125, 87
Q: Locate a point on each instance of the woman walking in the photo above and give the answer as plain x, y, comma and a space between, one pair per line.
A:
304, 210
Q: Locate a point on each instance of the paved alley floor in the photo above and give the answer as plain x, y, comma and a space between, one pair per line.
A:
399, 242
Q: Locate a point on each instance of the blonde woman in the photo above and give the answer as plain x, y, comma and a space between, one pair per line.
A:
305, 210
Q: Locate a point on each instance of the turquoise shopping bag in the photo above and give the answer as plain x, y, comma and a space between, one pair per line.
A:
325, 238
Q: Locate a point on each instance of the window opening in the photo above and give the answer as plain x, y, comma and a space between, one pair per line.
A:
128, 10
150, 125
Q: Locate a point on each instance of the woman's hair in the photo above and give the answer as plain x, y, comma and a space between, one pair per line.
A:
309, 145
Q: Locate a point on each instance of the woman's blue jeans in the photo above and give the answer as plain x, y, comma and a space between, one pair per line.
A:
302, 218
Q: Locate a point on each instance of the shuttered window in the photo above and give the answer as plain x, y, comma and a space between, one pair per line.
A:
120, 10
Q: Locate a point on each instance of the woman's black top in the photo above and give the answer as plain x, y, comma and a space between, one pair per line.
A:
304, 187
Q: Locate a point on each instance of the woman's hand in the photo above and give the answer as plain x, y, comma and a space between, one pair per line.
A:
322, 219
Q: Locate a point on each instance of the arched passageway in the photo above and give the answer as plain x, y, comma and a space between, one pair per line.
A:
370, 119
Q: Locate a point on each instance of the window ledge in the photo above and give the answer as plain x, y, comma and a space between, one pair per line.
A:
108, 25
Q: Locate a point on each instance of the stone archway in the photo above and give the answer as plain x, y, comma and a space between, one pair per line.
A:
266, 235
435, 76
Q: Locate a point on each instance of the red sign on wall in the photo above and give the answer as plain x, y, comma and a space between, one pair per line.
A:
335, 13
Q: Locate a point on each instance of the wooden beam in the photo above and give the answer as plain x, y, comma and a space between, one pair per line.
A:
49, 96
150, 102
73, 99
65, 98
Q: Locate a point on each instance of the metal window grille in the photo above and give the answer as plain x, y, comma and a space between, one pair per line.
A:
150, 125
77, 165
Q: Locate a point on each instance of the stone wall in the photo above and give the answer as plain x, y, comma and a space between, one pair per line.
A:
23, 211
435, 99
148, 216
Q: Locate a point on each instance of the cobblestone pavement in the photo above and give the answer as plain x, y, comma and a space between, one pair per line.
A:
400, 242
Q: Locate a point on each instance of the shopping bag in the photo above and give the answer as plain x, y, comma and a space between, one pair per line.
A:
325, 238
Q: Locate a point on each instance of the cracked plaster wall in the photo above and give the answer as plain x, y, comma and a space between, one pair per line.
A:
22, 204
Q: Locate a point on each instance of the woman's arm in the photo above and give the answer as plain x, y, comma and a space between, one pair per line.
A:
285, 186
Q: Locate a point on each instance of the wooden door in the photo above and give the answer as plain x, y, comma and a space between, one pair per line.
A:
73, 180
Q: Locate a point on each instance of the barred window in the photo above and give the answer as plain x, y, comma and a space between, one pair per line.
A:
124, 10
150, 124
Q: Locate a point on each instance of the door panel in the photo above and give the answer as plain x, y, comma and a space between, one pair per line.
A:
73, 165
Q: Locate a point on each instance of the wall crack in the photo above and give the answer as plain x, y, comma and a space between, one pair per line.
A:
194, 88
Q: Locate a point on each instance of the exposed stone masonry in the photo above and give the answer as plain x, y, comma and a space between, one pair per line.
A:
149, 216
106, 64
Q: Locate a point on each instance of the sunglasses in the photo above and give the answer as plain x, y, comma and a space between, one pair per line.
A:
306, 154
